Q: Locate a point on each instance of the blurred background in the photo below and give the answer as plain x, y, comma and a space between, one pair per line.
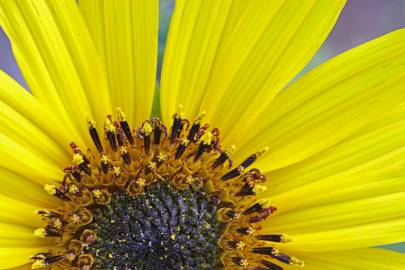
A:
360, 21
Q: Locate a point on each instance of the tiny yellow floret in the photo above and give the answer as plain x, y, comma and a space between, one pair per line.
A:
40, 232
259, 188
206, 138
38, 264
50, 189
78, 159
147, 129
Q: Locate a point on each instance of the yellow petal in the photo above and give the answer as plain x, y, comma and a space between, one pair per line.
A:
13, 231
23, 267
360, 259
23, 189
347, 225
58, 59
14, 211
33, 242
17, 257
358, 182
126, 35
24, 132
340, 188
14, 236
376, 146
19, 159
343, 211
361, 236
231, 57
330, 103
190, 49
23, 103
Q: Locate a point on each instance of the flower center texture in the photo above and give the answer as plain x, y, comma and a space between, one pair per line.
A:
163, 228
159, 198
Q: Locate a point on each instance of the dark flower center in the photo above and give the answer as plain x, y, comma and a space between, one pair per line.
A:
164, 228
160, 198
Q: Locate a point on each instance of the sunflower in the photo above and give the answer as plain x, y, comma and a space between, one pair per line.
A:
244, 169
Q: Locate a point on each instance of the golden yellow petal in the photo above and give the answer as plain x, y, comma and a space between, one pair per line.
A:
25, 133
23, 267
329, 103
12, 234
126, 35
21, 103
377, 146
231, 57
17, 158
359, 259
58, 59
20, 188
17, 257
346, 225
14, 211
351, 237
340, 188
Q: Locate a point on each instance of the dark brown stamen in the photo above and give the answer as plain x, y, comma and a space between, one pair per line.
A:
157, 134
271, 237
125, 126
95, 137
120, 134
176, 129
181, 148
265, 250
202, 148
270, 265
257, 207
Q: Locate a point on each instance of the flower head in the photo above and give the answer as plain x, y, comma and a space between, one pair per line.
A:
242, 170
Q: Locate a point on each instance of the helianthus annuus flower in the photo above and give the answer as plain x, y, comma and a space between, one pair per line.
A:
303, 174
